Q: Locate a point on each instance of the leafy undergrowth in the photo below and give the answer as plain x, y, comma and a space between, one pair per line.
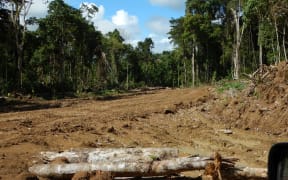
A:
230, 85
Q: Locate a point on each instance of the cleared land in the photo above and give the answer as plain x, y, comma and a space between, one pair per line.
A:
182, 118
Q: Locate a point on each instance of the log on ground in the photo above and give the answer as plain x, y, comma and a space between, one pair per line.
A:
129, 169
111, 154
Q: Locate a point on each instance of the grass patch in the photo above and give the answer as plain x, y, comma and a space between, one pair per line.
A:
228, 85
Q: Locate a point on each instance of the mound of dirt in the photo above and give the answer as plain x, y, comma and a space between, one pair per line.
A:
262, 106
274, 86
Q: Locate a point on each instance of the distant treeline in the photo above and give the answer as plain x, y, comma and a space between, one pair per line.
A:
215, 39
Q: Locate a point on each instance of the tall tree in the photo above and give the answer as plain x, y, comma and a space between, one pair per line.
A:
236, 7
145, 58
279, 15
257, 9
19, 12
176, 35
196, 34
7, 45
69, 44
114, 46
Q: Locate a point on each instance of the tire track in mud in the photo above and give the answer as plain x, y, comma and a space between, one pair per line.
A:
251, 147
165, 118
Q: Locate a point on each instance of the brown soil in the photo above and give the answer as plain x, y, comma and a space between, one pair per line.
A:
191, 120
261, 107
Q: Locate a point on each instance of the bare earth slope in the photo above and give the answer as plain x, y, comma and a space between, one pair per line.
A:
179, 118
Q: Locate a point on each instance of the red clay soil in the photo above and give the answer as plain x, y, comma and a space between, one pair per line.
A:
263, 106
191, 120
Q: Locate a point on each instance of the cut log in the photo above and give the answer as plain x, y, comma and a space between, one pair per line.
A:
143, 162
112, 155
129, 169
247, 172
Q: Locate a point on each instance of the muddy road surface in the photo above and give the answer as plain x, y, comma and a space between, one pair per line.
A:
155, 118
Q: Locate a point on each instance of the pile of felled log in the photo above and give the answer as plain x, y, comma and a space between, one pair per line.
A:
137, 162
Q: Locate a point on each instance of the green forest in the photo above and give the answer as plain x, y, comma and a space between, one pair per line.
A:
214, 40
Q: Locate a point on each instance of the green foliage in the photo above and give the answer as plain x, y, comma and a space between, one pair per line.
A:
154, 157
67, 54
198, 36
64, 57
230, 85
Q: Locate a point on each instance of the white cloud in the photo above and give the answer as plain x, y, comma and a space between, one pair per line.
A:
122, 18
161, 43
38, 9
104, 26
133, 42
159, 25
164, 41
126, 24
174, 4
98, 20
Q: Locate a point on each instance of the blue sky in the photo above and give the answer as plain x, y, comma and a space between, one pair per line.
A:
135, 19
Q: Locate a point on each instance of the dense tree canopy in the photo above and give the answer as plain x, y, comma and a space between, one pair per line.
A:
215, 39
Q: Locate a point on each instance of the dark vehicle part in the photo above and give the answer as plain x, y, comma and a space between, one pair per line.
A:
278, 162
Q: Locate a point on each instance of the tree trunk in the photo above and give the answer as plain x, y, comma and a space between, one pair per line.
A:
274, 52
277, 38
6, 71
15, 15
178, 75
185, 74
236, 54
284, 46
193, 66
54, 76
19, 59
153, 167
111, 154
16, 8
127, 77
260, 44
114, 68
251, 45
260, 57
123, 169
236, 63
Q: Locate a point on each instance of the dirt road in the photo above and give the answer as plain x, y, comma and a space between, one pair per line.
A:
158, 118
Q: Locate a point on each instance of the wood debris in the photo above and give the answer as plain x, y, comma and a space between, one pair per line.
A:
137, 162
